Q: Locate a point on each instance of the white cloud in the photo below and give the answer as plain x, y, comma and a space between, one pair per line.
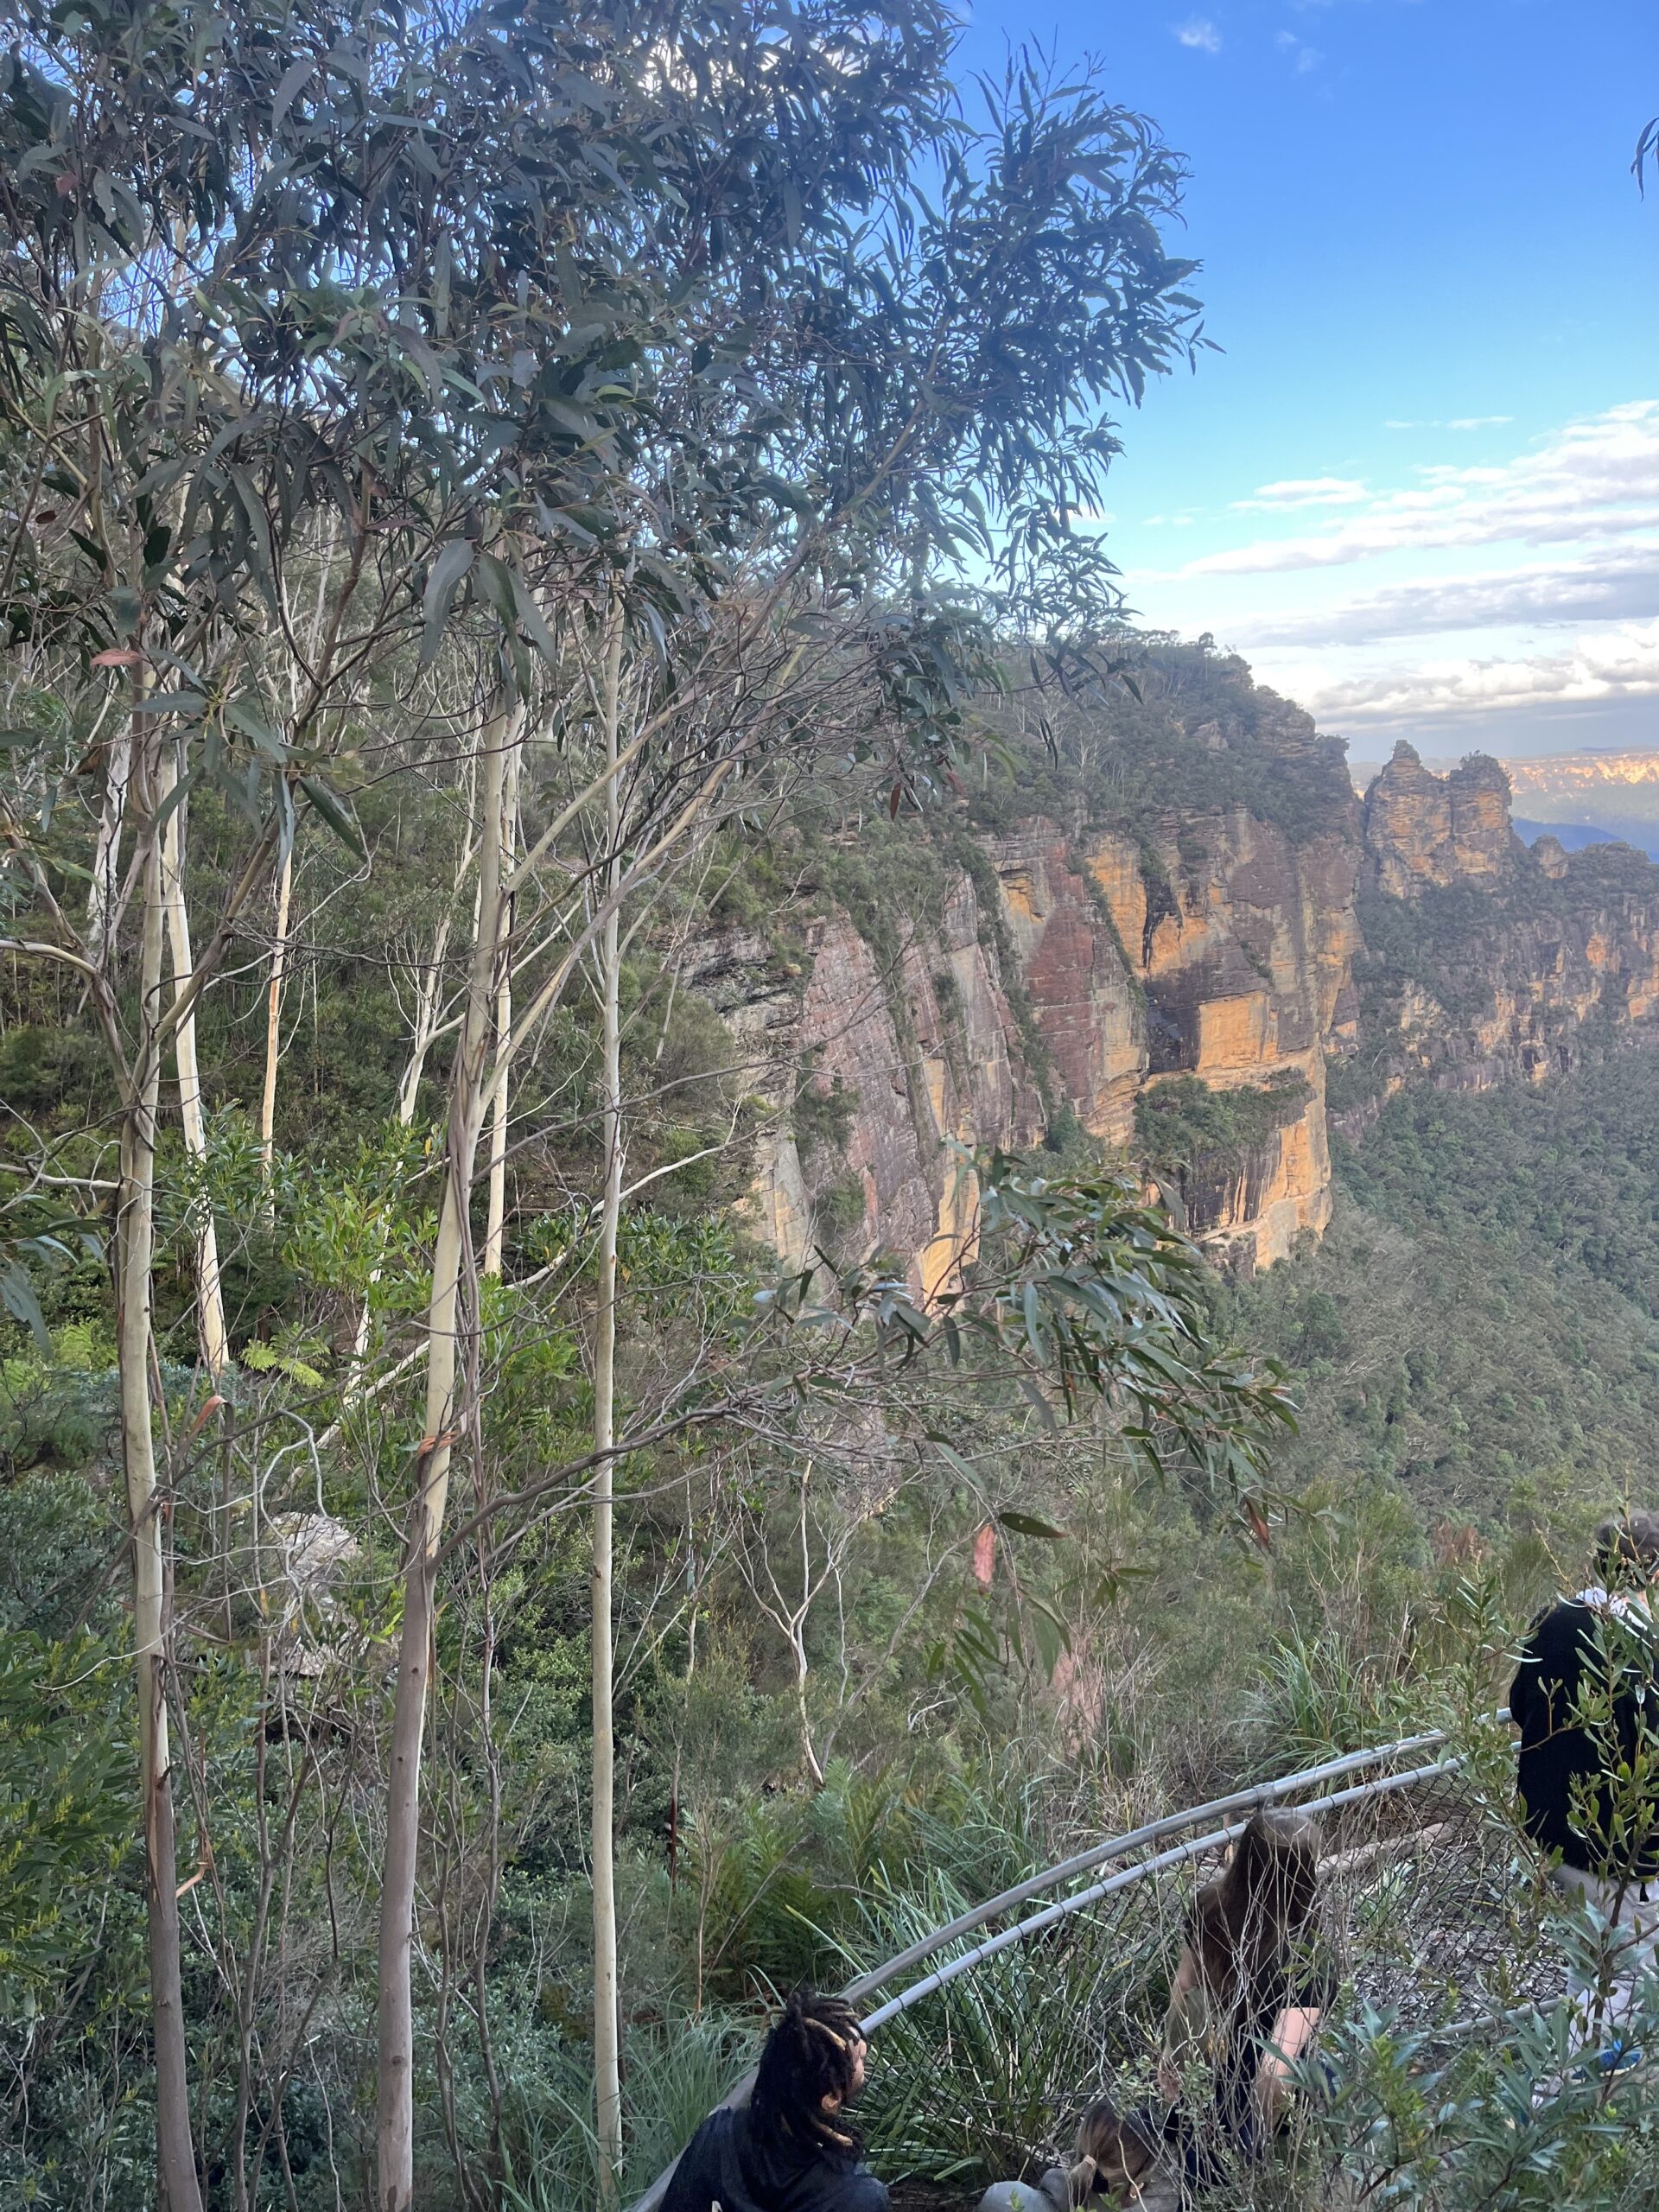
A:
1597, 478
1452, 423
1509, 598
1199, 32
1308, 58
1304, 491
1619, 584
1622, 664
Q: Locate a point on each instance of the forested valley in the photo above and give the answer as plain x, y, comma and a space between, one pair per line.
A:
720, 1219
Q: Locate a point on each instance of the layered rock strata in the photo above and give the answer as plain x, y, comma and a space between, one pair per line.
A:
1490, 961
1066, 970
1065, 978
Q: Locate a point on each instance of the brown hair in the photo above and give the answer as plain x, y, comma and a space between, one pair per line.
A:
1105, 2133
1244, 1922
1627, 1550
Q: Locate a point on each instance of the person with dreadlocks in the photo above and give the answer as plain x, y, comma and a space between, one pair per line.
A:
795, 2148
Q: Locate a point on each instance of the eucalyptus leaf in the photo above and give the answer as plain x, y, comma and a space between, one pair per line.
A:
336, 814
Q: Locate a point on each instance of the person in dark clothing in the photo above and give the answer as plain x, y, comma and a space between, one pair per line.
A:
1586, 1699
1247, 1994
794, 2149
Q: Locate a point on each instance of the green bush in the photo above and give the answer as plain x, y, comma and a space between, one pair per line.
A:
1183, 1123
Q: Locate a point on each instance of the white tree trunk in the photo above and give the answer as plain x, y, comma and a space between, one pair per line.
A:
428, 995
104, 894
210, 1299
135, 1253
274, 1019
608, 2081
495, 1231
395, 2112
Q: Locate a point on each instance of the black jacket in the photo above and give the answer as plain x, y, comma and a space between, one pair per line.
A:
1570, 1641
725, 2164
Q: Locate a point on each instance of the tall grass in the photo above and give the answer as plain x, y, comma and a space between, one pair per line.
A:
1318, 1699
673, 2076
983, 2078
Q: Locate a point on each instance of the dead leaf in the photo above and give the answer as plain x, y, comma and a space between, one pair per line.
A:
985, 1555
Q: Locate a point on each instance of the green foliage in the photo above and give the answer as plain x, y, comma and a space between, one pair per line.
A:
970, 2085
824, 1117
1477, 1324
1193, 724
678, 2071
58, 1411
1183, 1124
1571, 1168
1514, 2113
1317, 1699
66, 1806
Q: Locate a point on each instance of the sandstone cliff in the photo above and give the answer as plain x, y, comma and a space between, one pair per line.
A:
1062, 969
1424, 831
1487, 962
1184, 937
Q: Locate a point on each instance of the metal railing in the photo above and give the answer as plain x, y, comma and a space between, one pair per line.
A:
1232, 1812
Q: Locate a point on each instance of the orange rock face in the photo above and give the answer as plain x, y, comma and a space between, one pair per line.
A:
1074, 975
1076, 969
1219, 950
1555, 960
928, 1055
1423, 830
1243, 945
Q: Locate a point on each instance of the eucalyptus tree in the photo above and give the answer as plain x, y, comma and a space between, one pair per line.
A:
267, 268
414, 322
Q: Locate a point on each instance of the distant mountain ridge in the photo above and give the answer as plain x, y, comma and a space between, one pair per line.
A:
1576, 785
1574, 837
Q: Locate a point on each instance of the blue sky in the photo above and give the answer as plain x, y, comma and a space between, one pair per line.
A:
1420, 488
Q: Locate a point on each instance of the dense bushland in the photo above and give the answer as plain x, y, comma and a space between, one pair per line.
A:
490, 505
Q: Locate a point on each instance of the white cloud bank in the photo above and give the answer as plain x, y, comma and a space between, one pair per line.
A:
1199, 33
1596, 480
1612, 585
1303, 492
1615, 664
1511, 593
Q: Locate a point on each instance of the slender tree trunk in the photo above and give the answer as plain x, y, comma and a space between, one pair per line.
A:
395, 2112
428, 997
428, 994
494, 1233
210, 1298
104, 894
134, 1252
608, 2080
274, 1019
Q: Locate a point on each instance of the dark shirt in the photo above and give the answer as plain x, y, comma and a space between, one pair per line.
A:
1573, 1644
726, 2163
1305, 1984
1232, 2129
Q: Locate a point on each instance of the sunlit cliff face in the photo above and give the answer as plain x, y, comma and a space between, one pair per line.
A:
1074, 970
1584, 772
